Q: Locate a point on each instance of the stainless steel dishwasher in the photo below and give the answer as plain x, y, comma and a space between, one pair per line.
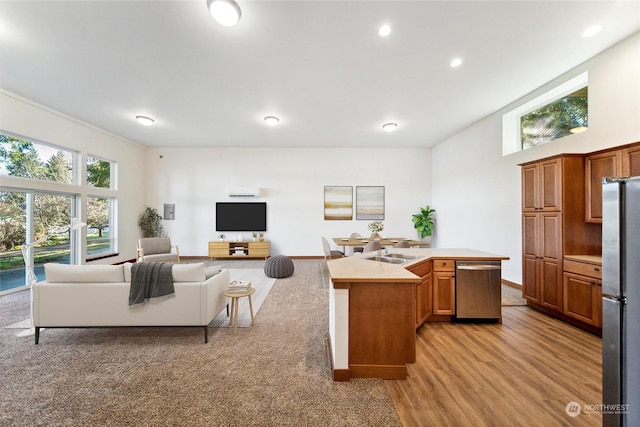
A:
478, 290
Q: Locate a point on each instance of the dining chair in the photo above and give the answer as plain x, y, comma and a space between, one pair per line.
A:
372, 246
330, 253
402, 244
357, 248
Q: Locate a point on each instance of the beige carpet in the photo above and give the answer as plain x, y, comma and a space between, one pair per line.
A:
262, 285
276, 373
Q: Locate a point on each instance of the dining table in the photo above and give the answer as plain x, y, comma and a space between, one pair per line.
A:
384, 241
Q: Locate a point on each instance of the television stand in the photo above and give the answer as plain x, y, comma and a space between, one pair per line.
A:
239, 250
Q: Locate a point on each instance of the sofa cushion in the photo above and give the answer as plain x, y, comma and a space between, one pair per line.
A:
188, 272
64, 273
212, 271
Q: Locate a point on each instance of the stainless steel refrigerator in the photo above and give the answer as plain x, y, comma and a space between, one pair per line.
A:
621, 302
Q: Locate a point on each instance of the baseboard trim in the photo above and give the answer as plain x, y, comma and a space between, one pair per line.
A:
387, 372
512, 284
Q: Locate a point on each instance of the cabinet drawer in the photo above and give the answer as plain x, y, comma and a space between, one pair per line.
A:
421, 269
444, 265
583, 268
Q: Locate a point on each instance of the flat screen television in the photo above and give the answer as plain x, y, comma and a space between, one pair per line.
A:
241, 216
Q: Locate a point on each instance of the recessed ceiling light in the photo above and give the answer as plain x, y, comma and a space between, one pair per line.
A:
272, 120
225, 12
592, 31
456, 63
385, 30
390, 127
145, 121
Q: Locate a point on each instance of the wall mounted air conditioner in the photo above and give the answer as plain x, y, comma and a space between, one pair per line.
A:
244, 192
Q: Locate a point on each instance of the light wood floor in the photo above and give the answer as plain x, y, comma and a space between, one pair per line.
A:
523, 372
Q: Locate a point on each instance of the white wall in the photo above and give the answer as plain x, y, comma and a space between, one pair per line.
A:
476, 191
292, 183
35, 122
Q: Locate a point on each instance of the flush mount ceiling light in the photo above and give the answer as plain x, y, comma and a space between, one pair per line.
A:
225, 12
384, 31
390, 127
592, 31
145, 121
455, 63
272, 120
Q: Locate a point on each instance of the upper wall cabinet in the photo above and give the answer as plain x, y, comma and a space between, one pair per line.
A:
612, 163
598, 166
631, 161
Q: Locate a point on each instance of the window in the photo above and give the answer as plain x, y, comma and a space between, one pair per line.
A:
560, 118
558, 113
100, 241
27, 159
34, 217
98, 172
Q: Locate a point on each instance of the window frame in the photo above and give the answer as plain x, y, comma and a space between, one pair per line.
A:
511, 131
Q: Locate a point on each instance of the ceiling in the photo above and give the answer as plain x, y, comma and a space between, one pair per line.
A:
318, 65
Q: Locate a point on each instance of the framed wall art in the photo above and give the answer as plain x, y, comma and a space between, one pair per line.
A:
338, 202
370, 202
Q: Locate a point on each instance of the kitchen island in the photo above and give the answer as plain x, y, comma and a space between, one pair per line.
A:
373, 306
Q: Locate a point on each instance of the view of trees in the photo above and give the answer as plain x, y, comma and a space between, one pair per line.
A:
22, 158
555, 120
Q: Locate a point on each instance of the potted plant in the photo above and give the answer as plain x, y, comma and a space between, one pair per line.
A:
255, 236
149, 223
261, 236
423, 222
376, 227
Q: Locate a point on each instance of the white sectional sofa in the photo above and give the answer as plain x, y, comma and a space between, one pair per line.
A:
98, 296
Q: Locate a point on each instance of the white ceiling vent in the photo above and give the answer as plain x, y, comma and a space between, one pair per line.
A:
244, 192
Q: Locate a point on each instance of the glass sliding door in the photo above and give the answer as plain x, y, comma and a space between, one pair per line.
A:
40, 219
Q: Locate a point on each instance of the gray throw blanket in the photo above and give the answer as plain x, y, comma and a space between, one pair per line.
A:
150, 280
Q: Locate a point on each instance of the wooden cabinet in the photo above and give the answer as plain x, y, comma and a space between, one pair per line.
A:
542, 186
598, 166
542, 256
582, 288
631, 161
424, 292
239, 250
444, 287
618, 162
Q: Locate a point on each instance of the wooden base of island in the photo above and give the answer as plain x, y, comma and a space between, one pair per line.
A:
380, 339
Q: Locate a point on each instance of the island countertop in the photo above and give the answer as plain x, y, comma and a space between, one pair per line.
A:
357, 267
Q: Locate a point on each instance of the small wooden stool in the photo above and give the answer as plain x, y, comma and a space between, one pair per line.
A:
235, 296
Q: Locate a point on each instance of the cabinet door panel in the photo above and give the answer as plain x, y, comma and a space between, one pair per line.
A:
529, 187
530, 279
598, 166
551, 185
444, 293
423, 300
530, 234
551, 284
580, 294
631, 161
551, 231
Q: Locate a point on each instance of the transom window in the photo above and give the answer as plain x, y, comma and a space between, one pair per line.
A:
558, 113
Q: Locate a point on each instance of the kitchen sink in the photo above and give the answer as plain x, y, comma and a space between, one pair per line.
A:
387, 259
401, 256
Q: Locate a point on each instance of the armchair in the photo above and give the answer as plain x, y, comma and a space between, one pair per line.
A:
157, 249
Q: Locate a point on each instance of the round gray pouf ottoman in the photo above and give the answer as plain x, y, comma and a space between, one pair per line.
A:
278, 267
